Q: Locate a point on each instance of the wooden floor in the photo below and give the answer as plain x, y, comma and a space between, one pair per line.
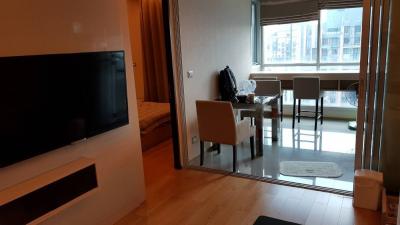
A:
193, 197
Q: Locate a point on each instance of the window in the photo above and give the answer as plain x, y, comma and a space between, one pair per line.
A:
348, 54
347, 30
324, 41
347, 51
324, 53
334, 29
335, 42
297, 46
290, 43
356, 54
346, 41
347, 20
357, 40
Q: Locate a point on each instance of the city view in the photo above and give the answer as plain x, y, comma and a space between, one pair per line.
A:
296, 45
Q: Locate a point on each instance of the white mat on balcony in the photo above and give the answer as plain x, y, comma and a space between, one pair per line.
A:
310, 169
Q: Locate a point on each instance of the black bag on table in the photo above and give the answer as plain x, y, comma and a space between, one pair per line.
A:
227, 85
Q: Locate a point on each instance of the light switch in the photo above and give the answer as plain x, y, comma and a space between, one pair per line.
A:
190, 74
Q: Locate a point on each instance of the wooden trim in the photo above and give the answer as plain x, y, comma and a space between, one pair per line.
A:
178, 79
172, 86
364, 66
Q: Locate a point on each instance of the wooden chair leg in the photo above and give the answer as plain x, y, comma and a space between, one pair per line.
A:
322, 110
281, 108
299, 111
316, 114
201, 153
219, 148
234, 158
252, 147
294, 112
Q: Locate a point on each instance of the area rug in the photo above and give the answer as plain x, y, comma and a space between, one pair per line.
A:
310, 169
263, 220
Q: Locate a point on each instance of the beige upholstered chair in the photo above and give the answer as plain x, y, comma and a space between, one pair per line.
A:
266, 88
217, 124
307, 88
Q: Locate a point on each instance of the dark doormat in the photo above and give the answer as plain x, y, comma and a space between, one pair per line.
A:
263, 220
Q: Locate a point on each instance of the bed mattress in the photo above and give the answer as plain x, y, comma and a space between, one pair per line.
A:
152, 115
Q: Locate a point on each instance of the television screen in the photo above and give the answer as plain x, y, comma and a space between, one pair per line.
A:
49, 101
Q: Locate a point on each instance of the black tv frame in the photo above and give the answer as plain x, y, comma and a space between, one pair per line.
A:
93, 132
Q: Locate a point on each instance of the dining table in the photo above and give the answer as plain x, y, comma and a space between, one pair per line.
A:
260, 106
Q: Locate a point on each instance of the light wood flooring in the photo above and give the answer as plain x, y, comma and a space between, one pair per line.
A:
198, 198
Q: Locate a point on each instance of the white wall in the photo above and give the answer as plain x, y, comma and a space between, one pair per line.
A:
48, 26
214, 33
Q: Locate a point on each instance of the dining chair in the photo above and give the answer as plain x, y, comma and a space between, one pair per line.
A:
307, 88
266, 88
216, 123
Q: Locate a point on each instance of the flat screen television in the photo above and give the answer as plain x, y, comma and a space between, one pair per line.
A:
50, 101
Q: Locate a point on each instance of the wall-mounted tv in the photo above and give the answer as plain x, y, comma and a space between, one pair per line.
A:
49, 101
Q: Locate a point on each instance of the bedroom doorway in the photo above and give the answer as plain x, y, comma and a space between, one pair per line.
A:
152, 63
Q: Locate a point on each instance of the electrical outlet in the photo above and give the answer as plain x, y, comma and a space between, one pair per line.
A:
194, 139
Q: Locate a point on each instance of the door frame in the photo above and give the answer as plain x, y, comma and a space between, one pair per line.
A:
175, 83
175, 79
178, 75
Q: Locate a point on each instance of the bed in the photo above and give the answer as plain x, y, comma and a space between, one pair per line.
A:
155, 123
